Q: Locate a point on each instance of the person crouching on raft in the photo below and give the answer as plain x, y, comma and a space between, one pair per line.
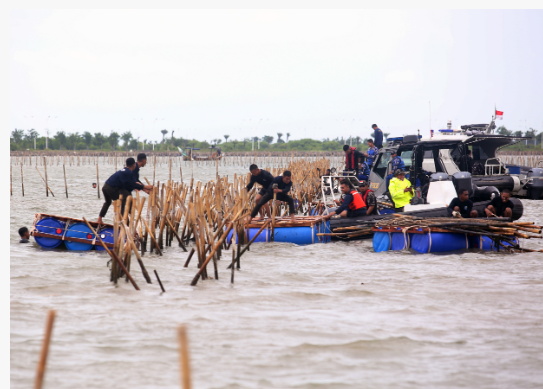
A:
280, 186
500, 205
401, 190
352, 205
264, 178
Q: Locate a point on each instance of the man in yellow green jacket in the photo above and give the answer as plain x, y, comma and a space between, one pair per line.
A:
401, 190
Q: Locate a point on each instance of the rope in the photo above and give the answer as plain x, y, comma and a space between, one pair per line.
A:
429, 239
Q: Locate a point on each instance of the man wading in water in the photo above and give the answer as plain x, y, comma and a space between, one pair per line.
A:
121, 183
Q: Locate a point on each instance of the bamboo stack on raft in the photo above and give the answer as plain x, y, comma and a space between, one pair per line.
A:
498, 229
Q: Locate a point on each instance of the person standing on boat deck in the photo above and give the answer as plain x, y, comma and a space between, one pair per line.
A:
400, 190
352, 158
280, 186
264, 178
121, 183
462, 205
369, 198
24, 234
364, 170
378, 136
397, 163
500, 205
141, 162
352, 205
372, 153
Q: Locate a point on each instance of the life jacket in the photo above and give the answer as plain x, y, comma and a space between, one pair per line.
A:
366, 195
351, 155
357, 202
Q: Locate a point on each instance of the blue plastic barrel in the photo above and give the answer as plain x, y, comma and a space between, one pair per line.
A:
51, 226
296, 235
399, 241
381, 242
81, 231
107, 237
513, 169
485, 243
262, 237
438, 242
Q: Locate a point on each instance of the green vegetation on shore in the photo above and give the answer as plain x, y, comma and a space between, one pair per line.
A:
21, 140
25, 140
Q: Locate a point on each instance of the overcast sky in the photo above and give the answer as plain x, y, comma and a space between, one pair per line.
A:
245, 73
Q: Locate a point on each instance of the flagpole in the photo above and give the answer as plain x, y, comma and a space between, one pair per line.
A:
430, 114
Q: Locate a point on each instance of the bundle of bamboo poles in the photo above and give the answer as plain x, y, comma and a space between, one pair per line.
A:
198, 215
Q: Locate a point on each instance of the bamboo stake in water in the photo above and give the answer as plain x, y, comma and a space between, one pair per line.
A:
44, 349
97, 181
46, 186
184, 357
22, 181
65, 184
11, 180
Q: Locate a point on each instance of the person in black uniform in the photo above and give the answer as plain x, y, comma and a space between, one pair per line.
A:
24, 234
264, 178
500, 206
121, 183
280, 186
462, 205
142, 161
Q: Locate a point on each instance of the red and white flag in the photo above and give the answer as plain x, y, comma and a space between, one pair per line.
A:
499, 115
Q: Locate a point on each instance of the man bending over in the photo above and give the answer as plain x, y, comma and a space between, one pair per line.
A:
280, 186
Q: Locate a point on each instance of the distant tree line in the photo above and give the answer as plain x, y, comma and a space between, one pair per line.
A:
23, 140
528, 144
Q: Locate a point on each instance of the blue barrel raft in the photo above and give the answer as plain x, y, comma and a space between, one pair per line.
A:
433, 242
80, 231
302, 234
106, 234
51, 226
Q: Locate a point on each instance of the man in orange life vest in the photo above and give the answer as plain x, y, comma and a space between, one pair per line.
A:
352, 205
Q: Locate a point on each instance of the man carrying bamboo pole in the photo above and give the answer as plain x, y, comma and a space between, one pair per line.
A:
121, 183
264, 178
284, 183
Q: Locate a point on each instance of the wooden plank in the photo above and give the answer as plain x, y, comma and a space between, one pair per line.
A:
69, 238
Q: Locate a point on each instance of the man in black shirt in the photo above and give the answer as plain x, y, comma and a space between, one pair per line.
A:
462, 205
142, 161
280, 186
121, 183
264, 178
501, 206
24, 234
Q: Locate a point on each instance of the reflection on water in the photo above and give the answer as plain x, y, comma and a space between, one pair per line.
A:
322, 316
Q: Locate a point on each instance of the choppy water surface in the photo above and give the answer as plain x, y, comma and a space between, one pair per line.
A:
321, 316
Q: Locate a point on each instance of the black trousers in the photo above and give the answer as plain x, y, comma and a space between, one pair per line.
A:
110, 194
269, 196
